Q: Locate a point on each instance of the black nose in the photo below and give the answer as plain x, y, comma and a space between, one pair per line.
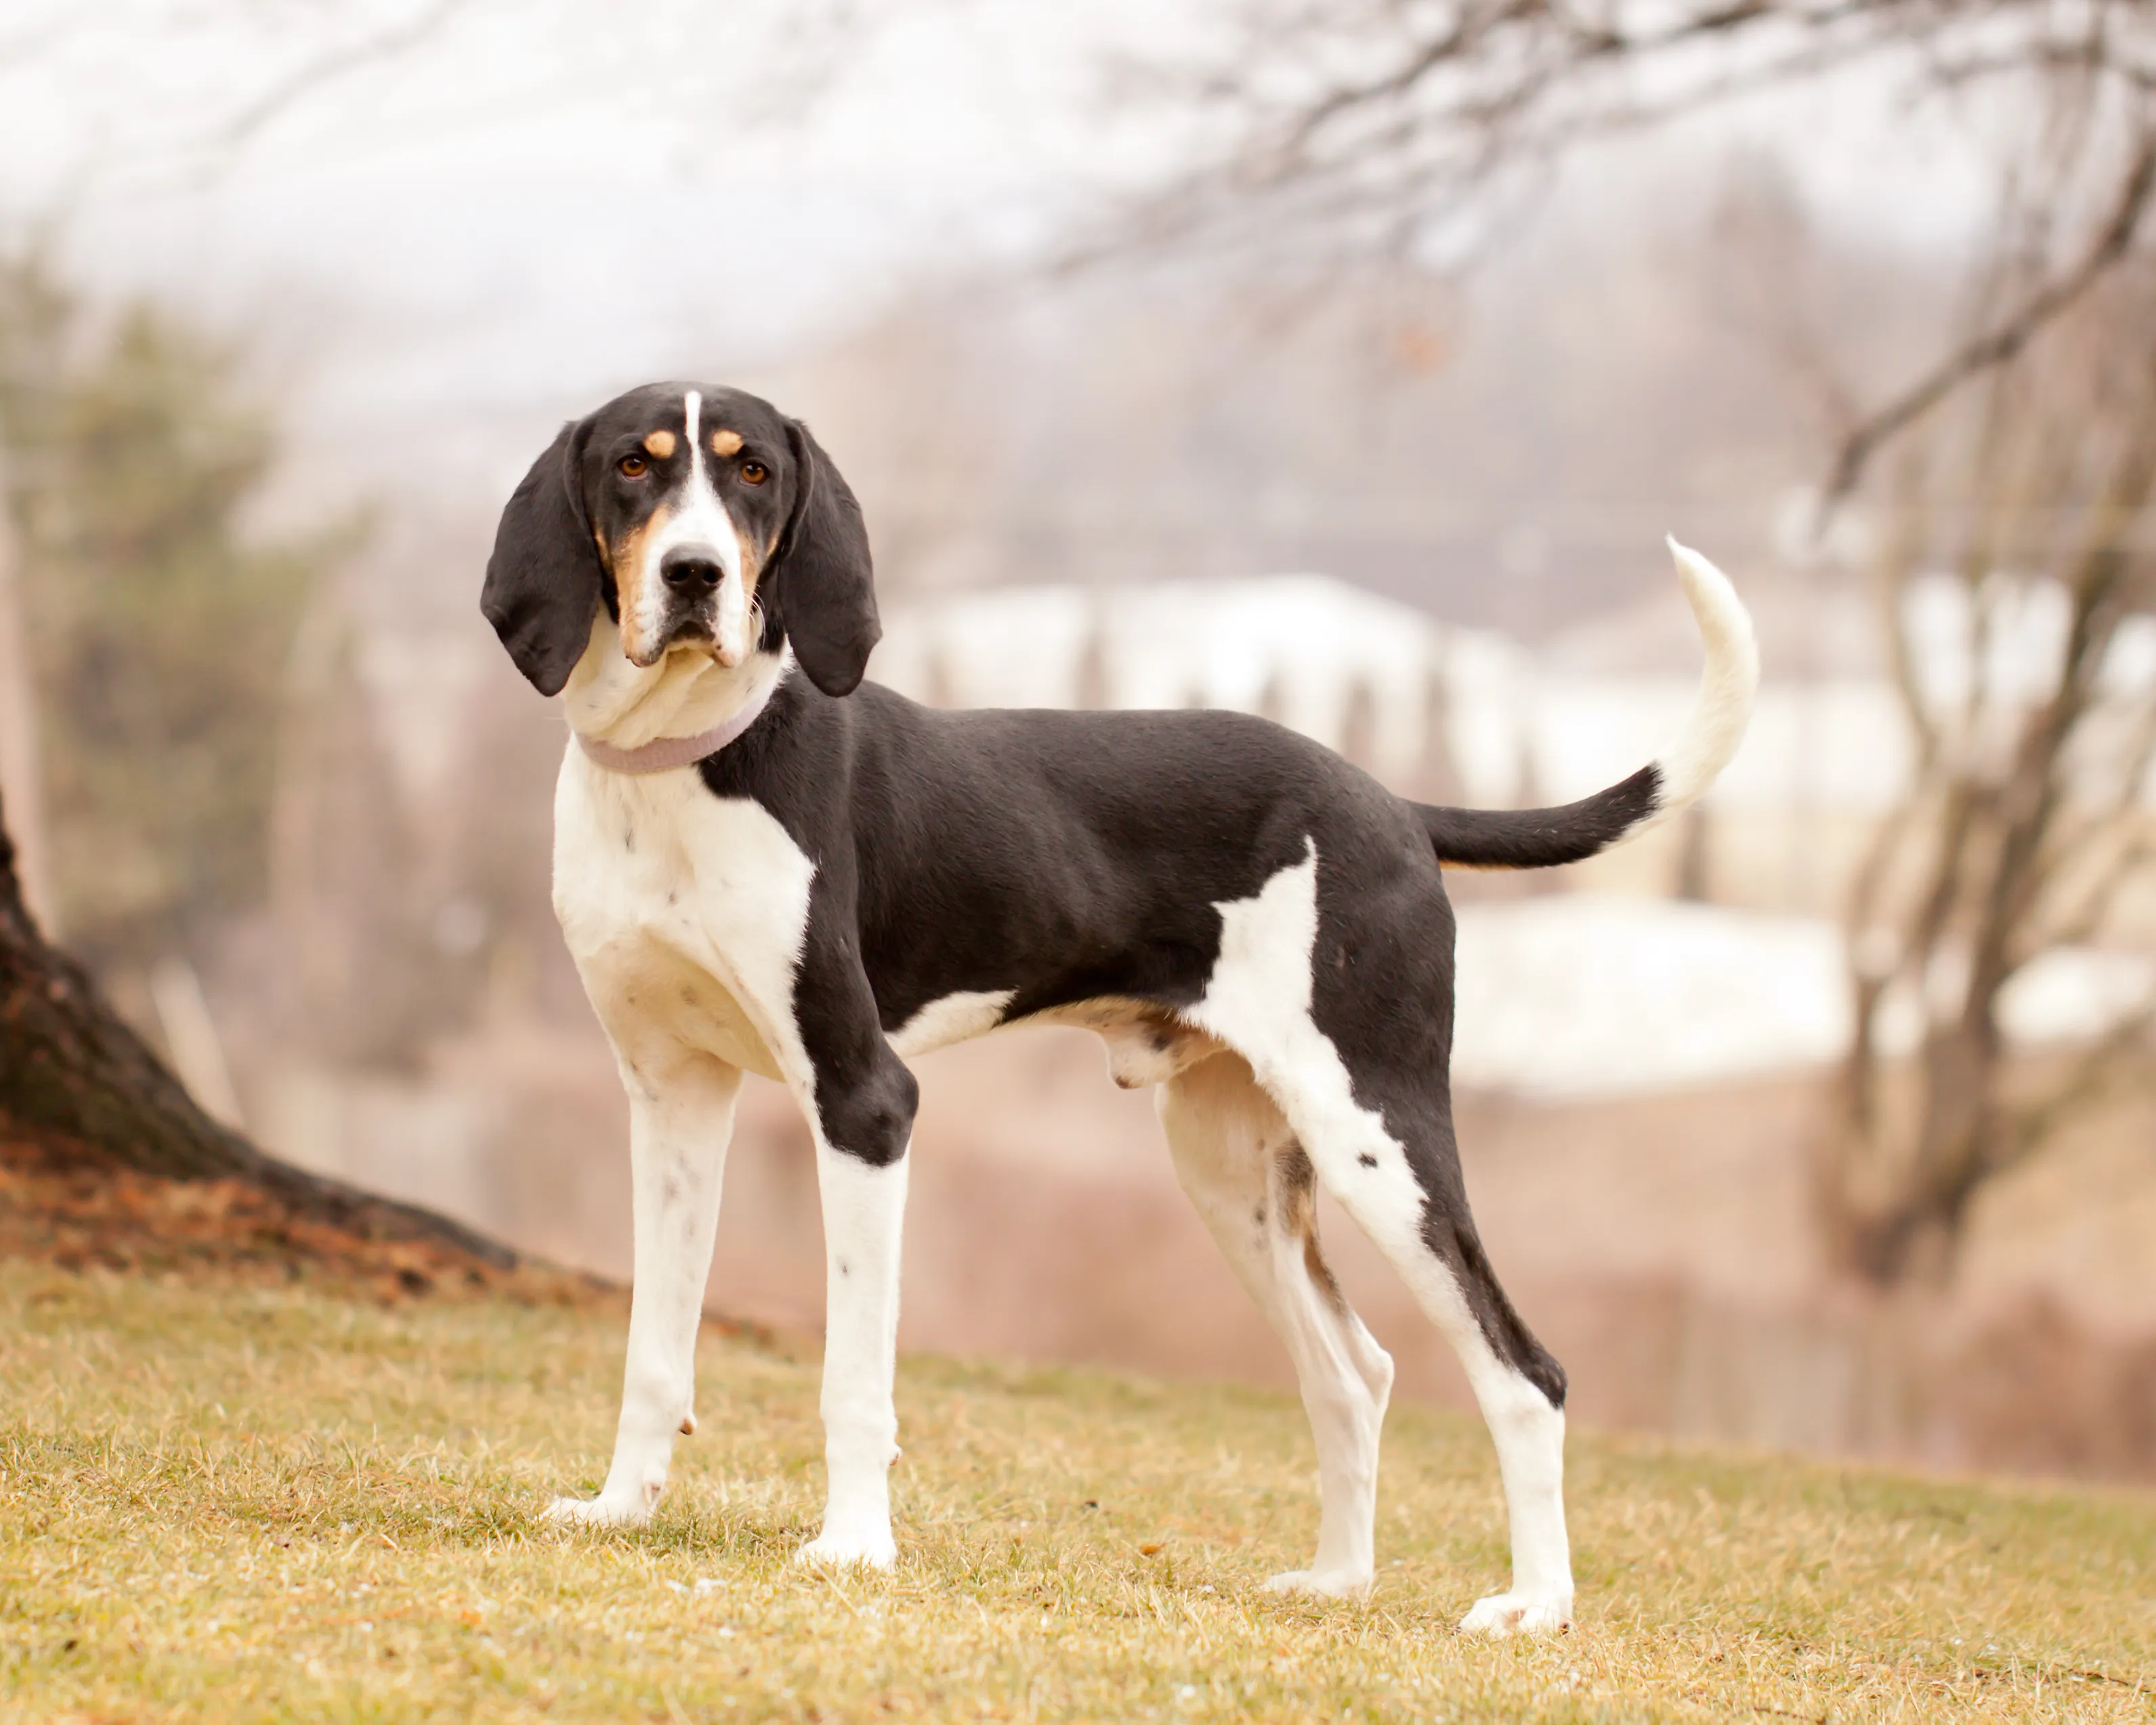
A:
689, 565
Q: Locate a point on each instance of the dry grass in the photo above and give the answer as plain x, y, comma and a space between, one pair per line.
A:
247, 1502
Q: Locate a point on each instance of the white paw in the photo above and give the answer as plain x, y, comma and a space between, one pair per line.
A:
1519, 1615
615, 1510
1322, 1583
841, 1550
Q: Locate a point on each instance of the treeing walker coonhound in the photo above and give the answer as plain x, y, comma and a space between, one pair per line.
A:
762, 863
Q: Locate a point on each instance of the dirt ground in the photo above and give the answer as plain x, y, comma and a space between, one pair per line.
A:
70, 1208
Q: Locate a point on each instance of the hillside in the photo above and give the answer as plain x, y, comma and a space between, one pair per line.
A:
242, 1500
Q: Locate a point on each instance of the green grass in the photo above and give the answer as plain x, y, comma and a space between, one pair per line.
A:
236, 1503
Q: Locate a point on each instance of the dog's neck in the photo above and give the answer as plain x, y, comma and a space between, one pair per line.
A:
623, 706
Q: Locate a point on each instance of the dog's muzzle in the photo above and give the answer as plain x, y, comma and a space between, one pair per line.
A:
704, 602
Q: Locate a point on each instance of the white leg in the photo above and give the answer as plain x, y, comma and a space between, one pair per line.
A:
681, 1117
1526, 1426
1252, 1183
1529, 1432
864, 1218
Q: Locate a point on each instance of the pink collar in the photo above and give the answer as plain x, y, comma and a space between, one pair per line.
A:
663, 754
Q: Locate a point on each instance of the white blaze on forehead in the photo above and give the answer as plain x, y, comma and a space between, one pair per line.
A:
698, 519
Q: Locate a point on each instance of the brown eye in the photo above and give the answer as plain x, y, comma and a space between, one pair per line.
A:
754, 472
632, 466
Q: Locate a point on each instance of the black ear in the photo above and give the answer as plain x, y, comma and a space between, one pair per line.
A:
821, 585
543, 581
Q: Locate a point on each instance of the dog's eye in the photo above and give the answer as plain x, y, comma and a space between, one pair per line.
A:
754, 472
632, 466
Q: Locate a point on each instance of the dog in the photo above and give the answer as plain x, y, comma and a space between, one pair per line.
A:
762, 863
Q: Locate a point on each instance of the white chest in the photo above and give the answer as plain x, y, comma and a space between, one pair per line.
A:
685, 914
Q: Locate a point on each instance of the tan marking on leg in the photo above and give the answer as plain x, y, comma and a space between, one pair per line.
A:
1296, 1205
661, 443
726, 443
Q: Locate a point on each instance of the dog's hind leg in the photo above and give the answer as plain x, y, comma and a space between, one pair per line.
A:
681, 1117
1521, 1391
1381, 1141
1253, 1184
1415, 1209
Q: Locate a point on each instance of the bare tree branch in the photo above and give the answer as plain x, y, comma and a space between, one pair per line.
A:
2086, 920
26, 46
2005, 339
2118, 1064
328, 67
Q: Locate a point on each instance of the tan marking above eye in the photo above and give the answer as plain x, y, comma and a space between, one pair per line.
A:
660, 443
726, 443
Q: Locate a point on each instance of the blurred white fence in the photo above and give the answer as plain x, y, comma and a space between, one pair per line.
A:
1399, 691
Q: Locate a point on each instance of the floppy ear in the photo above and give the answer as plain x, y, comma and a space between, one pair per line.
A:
821, 582
544, 580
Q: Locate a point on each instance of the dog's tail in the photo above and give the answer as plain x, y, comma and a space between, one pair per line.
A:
1541, 838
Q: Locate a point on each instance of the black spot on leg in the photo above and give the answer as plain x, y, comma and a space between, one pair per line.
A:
673, 896
844, 1268
1258, 1215
1296, 1175
1367, 1160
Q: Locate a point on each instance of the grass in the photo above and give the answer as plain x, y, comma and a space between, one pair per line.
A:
231, 1502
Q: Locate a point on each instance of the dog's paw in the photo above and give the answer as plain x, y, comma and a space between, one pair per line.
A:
838, 1550
604, 1510
1322, 1583
1519, 1615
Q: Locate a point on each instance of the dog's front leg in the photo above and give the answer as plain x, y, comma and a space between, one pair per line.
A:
861, 1172
681, 1117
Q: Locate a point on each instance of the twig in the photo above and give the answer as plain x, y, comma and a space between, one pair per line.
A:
328, 67
2005, 339
2136, 1684
2118, 1064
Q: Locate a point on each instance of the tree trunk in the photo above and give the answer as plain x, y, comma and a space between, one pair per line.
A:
76, 1079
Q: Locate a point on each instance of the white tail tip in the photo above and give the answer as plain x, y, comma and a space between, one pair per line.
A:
1726, 686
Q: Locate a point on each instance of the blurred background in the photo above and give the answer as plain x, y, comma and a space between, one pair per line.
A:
1344, 364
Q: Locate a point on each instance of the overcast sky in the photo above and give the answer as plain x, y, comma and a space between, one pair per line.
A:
532, 201
567, 182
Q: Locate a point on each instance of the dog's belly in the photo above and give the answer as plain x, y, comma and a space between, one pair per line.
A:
1148, 1043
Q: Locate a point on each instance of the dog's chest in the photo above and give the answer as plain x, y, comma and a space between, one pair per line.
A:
685, 914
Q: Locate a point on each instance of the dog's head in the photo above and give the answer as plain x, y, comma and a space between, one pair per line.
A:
701, 518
